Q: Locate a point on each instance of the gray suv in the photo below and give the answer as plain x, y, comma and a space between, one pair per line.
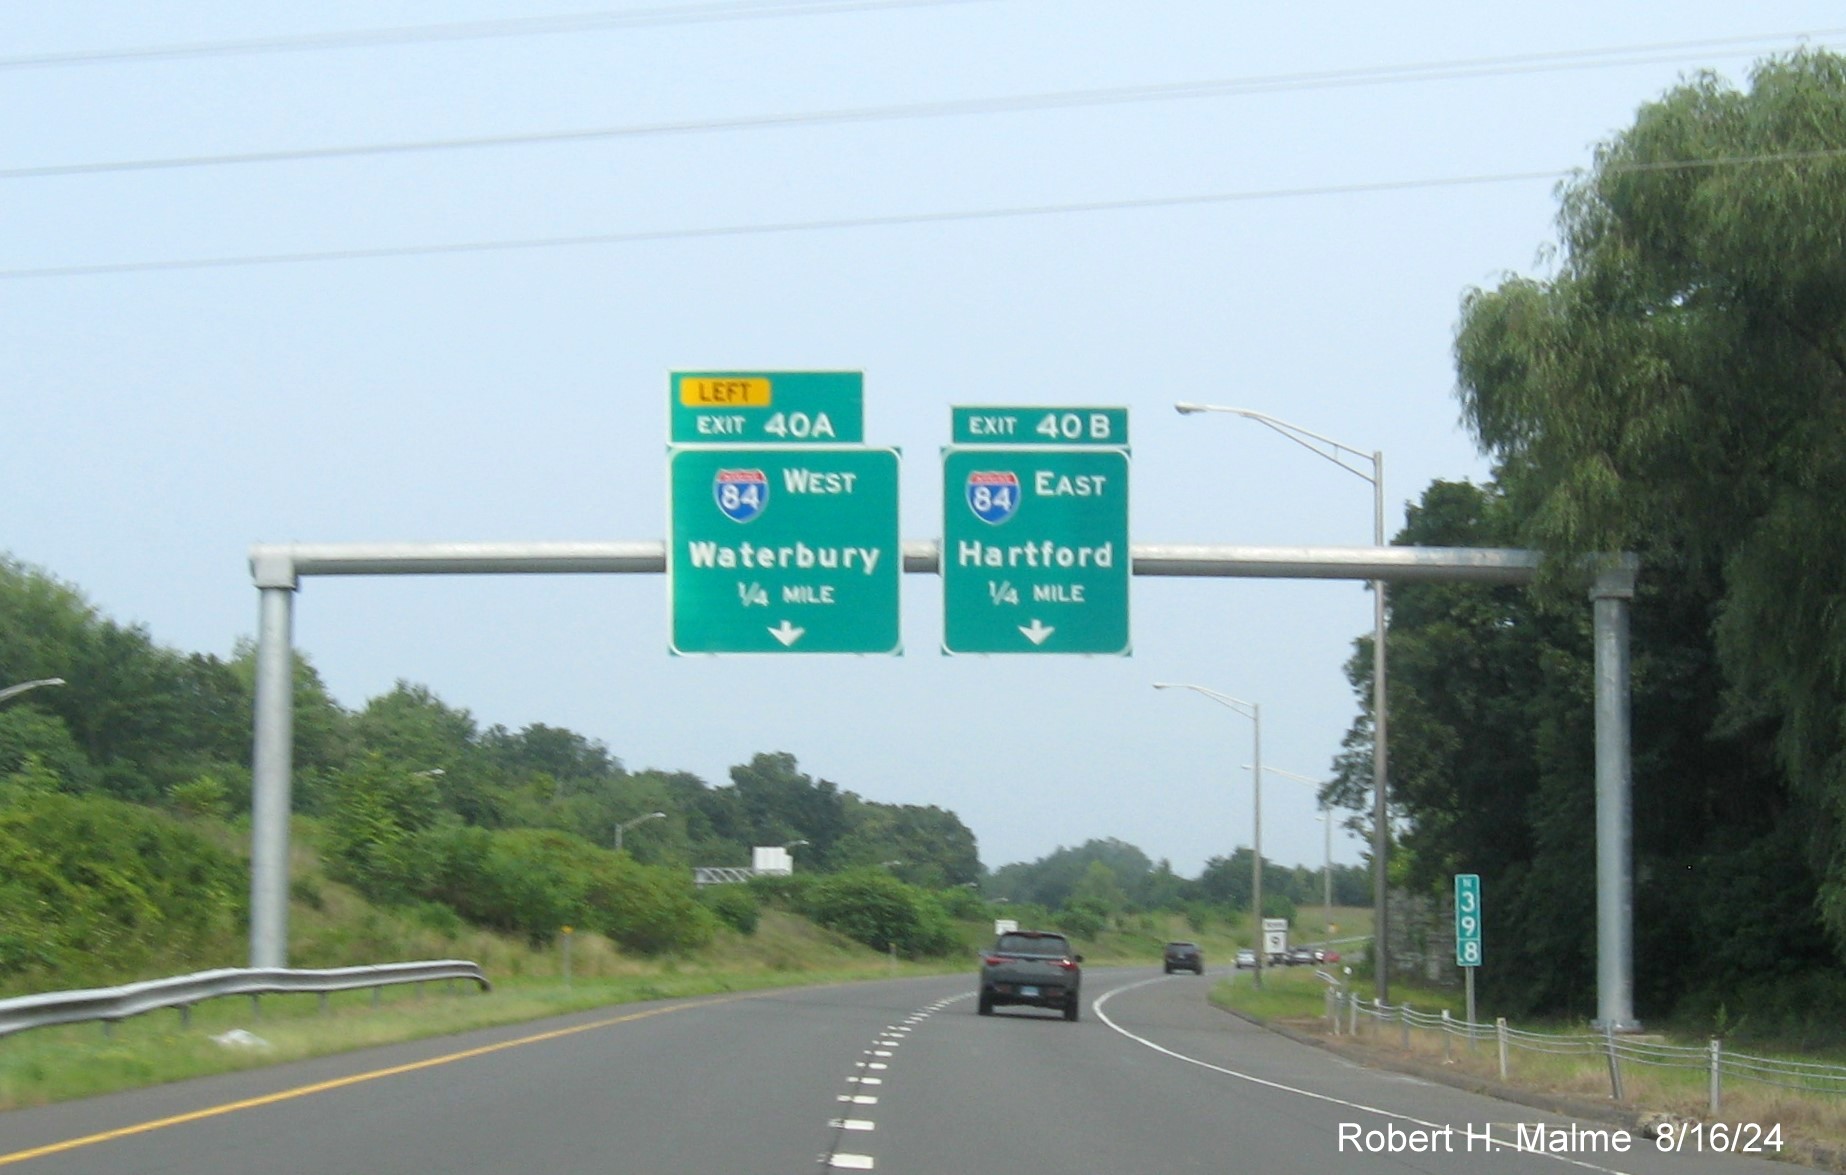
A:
1031, 967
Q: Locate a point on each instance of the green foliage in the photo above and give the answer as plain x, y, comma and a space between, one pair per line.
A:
734, 905
203, 796
92, 886
1082, 921
872, 907
28, 734
965, 903
1678, 389
649, 909
376, 811
1053, 879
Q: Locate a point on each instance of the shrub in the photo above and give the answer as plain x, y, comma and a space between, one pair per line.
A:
735, 906
876, 909
204, 795
648, 909
97, 888
1081, 920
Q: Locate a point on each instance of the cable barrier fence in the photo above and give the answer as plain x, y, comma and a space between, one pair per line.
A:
1348, 1014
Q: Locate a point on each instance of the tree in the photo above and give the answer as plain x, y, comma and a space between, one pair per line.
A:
777, 804
1679, 388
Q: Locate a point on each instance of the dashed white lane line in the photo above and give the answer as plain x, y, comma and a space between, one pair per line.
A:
889, 1039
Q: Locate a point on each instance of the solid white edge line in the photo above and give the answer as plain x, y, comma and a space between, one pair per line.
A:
1096, 1006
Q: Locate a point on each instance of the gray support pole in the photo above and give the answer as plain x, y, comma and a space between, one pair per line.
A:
271, 762
1614, 803
1256, 867
1381, 824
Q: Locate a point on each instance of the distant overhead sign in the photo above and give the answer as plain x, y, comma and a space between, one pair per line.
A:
784, 550
766, 408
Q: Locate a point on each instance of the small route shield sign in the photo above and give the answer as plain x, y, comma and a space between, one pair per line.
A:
742, 493
993, 494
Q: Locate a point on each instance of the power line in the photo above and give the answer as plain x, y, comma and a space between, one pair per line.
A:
537, 26
869, 222
1531, 63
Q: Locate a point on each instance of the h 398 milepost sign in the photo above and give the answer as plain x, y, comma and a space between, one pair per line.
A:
1035, 552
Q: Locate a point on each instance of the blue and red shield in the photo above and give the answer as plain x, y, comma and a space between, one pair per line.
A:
993, 495
742, 493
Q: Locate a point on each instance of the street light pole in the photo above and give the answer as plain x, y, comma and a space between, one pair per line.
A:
1331, 450
624, 827
15, 690
1254, 713
1326, 866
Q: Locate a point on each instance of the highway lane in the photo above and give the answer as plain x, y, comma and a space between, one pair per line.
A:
900, 1076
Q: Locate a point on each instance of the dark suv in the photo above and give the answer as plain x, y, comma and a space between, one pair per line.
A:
1031, 967
1184, 956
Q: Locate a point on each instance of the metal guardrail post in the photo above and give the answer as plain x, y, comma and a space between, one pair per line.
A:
1499, 1028
1404, 1015
1615, 1062
1447, 1056
1717, 1065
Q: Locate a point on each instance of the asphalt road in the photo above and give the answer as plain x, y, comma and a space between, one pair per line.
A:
896, 1077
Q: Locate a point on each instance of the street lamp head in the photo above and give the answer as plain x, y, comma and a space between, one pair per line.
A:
1185, 409
794, 844
23, 686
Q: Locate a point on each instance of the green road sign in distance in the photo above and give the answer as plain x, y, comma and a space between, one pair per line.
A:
1468, 950
1035, 550
766, 408
784, 550
1107, 427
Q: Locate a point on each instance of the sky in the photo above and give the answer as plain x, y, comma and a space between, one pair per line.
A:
1007, 202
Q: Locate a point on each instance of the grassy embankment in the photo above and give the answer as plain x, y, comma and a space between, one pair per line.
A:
83, 1060
1295, 998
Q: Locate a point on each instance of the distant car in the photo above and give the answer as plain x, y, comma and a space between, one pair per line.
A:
1299, 957
1326, 956
1031, 967
1183, 956
1246, 959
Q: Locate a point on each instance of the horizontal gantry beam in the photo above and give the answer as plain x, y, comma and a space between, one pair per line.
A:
281, 565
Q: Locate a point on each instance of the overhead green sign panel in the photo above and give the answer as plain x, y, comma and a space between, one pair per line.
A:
1107, 427
766, 408
784, 550
1035, 550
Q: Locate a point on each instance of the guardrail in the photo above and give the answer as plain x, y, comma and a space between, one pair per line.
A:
1618, 1050
110, 1004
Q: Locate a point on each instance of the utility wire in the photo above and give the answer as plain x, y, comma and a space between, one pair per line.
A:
1066, 99
536, 26
867, 222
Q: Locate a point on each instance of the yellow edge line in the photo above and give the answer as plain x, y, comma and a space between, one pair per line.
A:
337, 1083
